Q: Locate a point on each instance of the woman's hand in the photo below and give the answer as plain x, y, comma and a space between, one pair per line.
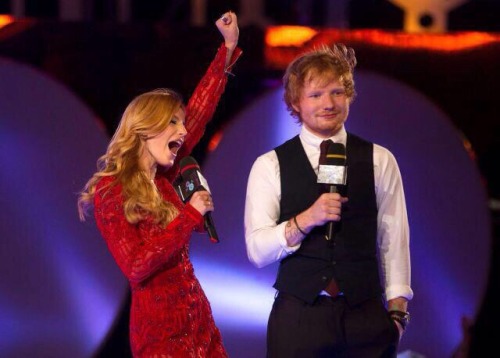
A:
228, 27
202, 201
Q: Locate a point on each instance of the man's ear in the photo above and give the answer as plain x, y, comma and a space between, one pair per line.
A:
295, 107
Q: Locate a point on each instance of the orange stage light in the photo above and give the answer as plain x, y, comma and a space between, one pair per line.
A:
299, 35
289, 35
5, 20
284, 42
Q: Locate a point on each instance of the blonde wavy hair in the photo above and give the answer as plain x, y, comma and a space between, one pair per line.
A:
146, 116
326, 63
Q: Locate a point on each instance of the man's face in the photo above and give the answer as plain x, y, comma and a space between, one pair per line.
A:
323, 107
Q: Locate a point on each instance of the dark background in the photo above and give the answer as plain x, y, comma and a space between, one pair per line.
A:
107, 63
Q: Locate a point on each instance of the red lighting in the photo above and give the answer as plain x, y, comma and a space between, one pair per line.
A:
214, 141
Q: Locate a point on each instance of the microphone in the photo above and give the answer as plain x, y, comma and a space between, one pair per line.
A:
333, 173
192, 180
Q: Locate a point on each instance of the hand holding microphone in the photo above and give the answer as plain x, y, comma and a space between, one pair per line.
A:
332, 172
193, 187
202, 201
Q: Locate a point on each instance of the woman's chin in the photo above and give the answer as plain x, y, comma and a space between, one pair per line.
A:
168, 163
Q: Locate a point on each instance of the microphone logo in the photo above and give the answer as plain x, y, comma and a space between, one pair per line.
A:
332, 174
193, 181
189, 186
333, 170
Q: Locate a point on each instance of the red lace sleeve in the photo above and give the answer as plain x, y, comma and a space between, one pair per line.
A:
202, 104
140, 250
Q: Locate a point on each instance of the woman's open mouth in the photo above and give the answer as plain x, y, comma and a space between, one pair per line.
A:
174, 146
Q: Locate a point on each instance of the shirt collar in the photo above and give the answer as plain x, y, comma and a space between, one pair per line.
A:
314, 141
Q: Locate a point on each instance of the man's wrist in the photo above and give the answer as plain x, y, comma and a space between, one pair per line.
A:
298, 227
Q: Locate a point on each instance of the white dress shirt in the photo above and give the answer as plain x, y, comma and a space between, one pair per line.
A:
265, 240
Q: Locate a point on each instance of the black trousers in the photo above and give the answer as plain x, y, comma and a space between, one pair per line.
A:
330, 328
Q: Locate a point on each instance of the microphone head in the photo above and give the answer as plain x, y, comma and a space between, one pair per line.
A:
191, 179
187, 165
333, 170
336, 155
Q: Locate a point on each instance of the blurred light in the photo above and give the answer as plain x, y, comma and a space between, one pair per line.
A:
237, 298
5, 20
282, 46
64, 297
289, 35
215, 140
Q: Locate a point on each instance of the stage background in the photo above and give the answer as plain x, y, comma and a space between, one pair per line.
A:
63, 87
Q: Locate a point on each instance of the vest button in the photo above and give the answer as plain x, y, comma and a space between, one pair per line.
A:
324, 278
334, 262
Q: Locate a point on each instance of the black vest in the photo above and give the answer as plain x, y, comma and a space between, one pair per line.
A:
351, 256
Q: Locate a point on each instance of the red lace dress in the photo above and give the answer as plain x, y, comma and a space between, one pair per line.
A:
170, 314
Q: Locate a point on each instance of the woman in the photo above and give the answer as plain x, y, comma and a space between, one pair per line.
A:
144, 223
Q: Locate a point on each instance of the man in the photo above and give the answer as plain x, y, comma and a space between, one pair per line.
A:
344, 295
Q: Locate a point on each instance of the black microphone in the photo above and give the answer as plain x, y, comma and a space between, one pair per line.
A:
333, 173
192, 180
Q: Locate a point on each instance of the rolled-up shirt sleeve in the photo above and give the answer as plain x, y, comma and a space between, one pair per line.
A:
393, 228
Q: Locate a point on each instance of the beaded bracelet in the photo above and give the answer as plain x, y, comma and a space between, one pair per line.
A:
402, 317
298, 227
400, 314
400, 321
